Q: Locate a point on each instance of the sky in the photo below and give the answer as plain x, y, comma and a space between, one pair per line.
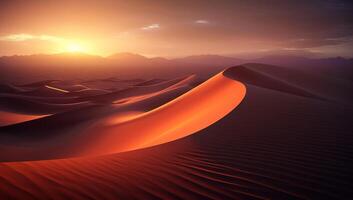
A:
169, 28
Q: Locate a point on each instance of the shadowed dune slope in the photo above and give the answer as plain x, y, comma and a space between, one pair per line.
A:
274, 145
250, 76
8, 88
18, 104
304, 83
138, 90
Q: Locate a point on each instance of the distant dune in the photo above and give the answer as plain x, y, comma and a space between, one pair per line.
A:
8, 118
252, 131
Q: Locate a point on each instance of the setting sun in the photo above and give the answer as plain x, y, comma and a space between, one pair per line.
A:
74, 47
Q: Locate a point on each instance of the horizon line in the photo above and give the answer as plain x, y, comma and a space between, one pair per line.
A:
172, 58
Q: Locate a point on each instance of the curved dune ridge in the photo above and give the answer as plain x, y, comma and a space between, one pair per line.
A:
192, 111
183, 116
279, 143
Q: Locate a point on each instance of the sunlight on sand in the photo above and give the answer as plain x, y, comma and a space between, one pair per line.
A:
56, 89
187, 114
8, 118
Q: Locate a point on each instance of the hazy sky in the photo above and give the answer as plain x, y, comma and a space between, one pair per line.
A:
175, 28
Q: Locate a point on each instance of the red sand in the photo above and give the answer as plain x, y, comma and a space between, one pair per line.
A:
173, 120
178, 118
8, 118
279, 143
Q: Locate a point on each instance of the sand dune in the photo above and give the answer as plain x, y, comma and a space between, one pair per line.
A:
248, 75
280, 142
8, 88
9, 118
38, 83
17, 104
149, 129
137, 90
326, 87
43, 98
59, 122
150, 82
68, 86
163, 124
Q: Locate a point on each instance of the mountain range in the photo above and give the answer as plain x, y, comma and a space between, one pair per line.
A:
28, 68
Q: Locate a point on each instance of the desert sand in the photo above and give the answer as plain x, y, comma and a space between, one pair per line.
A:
249, 132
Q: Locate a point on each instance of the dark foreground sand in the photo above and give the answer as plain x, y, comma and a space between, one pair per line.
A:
290, 138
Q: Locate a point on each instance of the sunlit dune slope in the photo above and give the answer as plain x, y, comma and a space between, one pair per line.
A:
188, 113
103, 134
8, 118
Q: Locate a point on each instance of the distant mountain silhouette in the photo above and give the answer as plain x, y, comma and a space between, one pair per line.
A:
338, 66
214, 60
24, 69
126, 56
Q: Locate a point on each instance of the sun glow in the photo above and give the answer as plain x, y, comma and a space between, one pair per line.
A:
75, 47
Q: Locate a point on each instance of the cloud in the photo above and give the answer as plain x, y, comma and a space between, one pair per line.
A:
150, 27
316, 42
16, 37
202, 21
25, 37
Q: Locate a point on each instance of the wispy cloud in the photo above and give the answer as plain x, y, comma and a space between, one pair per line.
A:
25, 37
151, 27
202, 21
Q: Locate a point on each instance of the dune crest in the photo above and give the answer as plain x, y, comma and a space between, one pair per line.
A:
183, 116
